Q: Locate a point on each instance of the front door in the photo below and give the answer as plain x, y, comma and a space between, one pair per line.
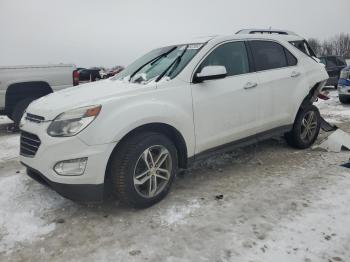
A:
225, 110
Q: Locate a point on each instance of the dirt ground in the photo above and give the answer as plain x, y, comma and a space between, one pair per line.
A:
266, 202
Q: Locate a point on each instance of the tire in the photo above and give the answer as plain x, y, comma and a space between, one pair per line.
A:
299, 137
19, 109
128, 165
344, 99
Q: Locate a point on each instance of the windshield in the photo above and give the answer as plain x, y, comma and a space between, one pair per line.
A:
156, 62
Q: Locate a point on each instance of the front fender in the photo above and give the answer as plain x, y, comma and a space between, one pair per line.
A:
118, 118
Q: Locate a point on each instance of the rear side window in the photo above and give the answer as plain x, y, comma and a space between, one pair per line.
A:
231, 55
304, 47
268, 55
301, 46
291, 60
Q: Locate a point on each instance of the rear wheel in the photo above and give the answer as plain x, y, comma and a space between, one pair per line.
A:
19, 109
143, 168
306, 127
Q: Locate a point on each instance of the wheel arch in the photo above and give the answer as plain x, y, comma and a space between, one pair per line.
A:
171, 132
310, 98
21, 90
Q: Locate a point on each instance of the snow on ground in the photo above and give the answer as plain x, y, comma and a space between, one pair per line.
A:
22, 211
9, 147
332, 110
176, 215
279, 204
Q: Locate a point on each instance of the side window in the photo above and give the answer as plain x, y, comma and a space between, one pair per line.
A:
291, 60
268, 55
231, 55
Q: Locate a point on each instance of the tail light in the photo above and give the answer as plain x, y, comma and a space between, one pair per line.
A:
75, 78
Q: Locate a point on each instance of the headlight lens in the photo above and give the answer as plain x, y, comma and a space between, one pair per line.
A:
72, 122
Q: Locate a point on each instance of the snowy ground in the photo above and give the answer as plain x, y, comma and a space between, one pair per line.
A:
279, 204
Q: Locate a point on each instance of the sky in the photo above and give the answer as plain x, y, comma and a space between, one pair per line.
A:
114, 32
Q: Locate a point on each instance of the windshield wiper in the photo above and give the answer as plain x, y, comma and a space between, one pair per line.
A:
174, 64
152, 62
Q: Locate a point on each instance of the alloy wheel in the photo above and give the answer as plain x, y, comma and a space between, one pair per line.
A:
308, 126
152, 171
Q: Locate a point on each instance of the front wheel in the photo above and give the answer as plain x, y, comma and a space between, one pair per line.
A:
142, 169
306, 128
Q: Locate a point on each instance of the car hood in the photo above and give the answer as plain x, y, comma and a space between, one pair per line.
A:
84, 95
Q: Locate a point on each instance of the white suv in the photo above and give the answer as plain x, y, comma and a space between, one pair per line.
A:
133, 132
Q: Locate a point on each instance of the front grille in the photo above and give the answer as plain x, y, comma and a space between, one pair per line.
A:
34, 118
30, 144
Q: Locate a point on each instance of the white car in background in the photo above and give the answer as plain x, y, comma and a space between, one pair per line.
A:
20, 85
176, 104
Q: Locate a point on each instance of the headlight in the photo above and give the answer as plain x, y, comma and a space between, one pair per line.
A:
72, 122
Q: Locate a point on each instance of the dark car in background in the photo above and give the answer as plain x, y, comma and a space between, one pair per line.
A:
90, 74
344, 85
334, 65
113, 71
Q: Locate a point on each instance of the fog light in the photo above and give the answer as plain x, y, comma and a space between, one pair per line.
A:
73, 167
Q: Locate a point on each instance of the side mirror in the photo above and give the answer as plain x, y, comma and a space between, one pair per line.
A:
210, 73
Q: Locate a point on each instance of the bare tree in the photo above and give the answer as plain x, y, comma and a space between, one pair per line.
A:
328, 48
316, 45
337, 45
342, 45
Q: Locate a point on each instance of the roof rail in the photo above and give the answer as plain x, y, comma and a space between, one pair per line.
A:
265, 31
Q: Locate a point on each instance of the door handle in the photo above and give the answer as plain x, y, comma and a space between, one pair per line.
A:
250, 85
295, 74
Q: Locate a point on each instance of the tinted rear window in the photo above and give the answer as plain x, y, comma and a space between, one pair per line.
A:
268, 55
304, 47
292, 61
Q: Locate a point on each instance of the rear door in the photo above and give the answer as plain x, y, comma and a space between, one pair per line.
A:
279, 75
225, 110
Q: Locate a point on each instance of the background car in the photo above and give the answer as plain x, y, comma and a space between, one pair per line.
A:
344, 85
20, 85
334, 64
115, 70
91, 74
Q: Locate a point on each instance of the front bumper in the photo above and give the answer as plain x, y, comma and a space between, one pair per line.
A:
75, 192
344, 90
86, 187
